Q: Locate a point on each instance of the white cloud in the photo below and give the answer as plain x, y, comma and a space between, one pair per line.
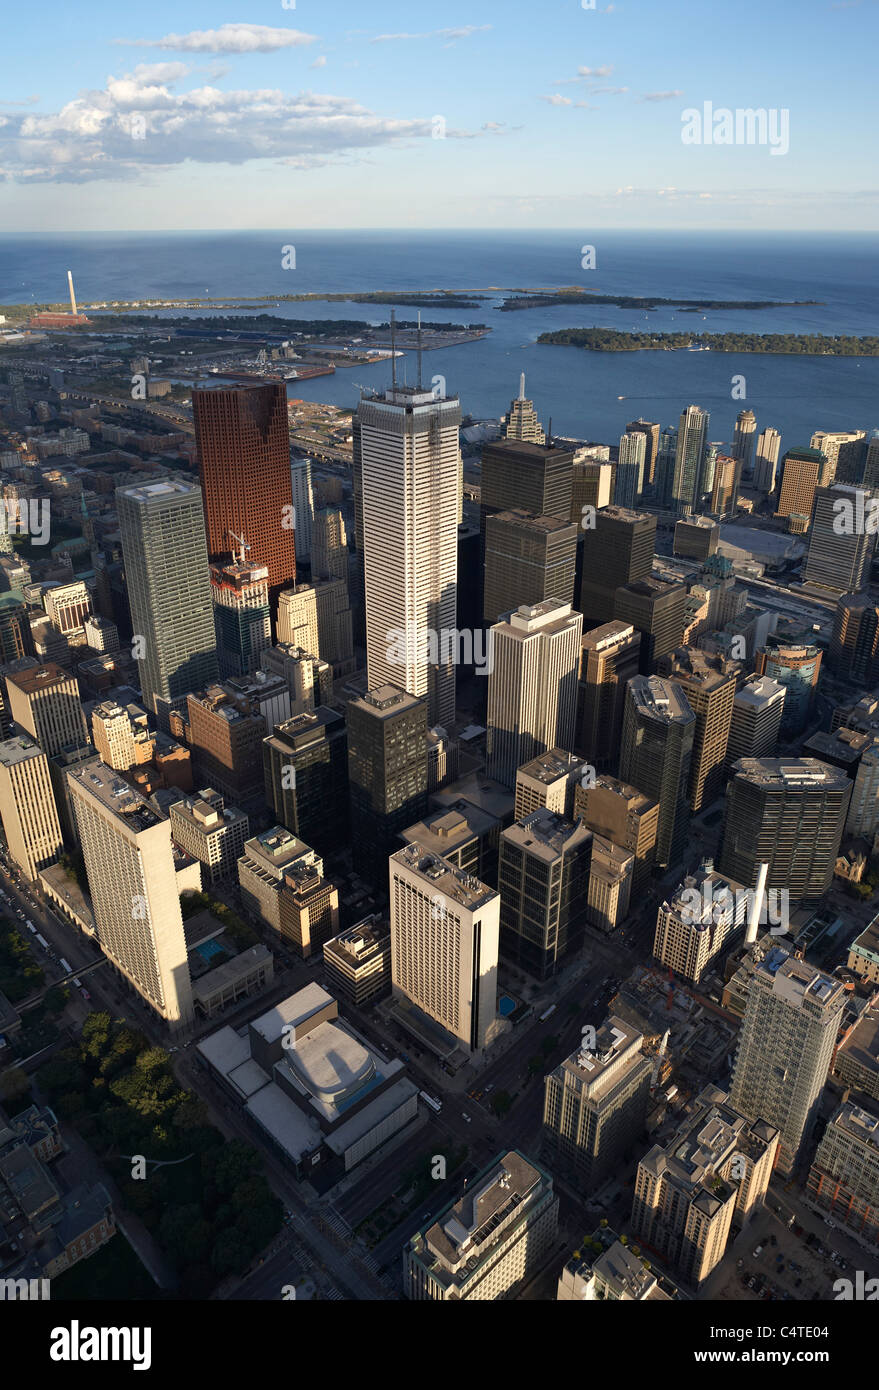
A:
229, 38
609, 91
320, 62
556, 99
661, 96
595, 72
140, 122
451, 34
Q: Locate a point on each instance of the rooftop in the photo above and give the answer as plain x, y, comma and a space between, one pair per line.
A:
661, 700
442, 877
546, 835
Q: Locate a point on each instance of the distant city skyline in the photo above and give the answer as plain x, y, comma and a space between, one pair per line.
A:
187, 119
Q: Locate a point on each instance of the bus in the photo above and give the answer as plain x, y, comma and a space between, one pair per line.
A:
43, 942
431, 1101
548, 1012
66, 966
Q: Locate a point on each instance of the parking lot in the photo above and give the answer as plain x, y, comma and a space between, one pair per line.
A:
786, 1267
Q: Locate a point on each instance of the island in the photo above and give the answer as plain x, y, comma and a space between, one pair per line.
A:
795, 344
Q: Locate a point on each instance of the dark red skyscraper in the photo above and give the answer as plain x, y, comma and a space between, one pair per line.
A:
244, 461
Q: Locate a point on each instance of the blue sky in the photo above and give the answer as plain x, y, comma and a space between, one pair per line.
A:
196, 115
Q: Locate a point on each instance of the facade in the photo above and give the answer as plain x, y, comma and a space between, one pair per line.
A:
527, 559
129, 860
244, 466
795, 664
387, 775
444, 945
717, 1165
610, 884
656, 607
689, 455
595, 1104
68, 606
225, 735
522, 476
766, 465
725, 485
626, 817
801, 469
743, 440
547, 783
357, 962
303, 505
329, 545
696, 537
309, 909
410, 463
122, 736
305, 767
44, 702
532, 686
843, 451
656, 756
698, 923
297, 619
27, 806
844, 1177
309, 680
788, 813
488, 1242
335, 639
262, 866
543, 877
785, 1047
609, 658
629, 481
617, 550
166, 570
650, 431
211, 832
854, 646
521, 421
756, 720
863, 812
840, 548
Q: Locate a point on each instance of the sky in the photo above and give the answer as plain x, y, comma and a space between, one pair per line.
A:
331, 113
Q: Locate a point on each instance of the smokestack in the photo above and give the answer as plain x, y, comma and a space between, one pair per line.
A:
759, 893
72, 295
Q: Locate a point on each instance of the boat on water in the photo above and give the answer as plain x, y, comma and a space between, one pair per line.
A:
698, 348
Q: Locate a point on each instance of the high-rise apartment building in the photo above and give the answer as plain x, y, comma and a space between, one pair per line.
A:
410, 465
527, 559
629, 482
840, 546
485, 1245
854, 645
650, 431
532, 685
625, 816
698, 922
243, 444
595, 1103
743, 440
617, 550
788, 813
240, 594
27, 805
44, 701
725, 484
543, 878
303, 505
844, 1177
785, 1047
387, 775
444, 945
843, 452
716, 1165
168, 582
766, 465
800, 473
756, 720
521, 421
657, 608
609, 658
129, 860
689, 454
709, 682
305, 764
656, 754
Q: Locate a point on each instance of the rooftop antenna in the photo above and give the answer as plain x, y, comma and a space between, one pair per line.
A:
418, 340
549, 434
393, 349
521, 386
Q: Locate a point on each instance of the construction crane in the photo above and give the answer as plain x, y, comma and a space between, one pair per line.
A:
244, 547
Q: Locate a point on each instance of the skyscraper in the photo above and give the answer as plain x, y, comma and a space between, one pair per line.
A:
166, 568
656, 608
843, 452
725, 484
794, 663
444, 945
27, 806
305, 762
244, 465
626, 817
800, 470
743, 441
840, 549
689, 452
788, 813
698, 923
522, 421
410, 465
532, 686
609, 658
297, 618
756, 720
303, 505
527, 559
854, 646
629, 482
766, 466
543, 879
387, 775
650, 431
133, 887
44, 701
617, 550
240, 594
518, 476
785, 1046
595, 1103
709, 683
656, 754
329, 545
